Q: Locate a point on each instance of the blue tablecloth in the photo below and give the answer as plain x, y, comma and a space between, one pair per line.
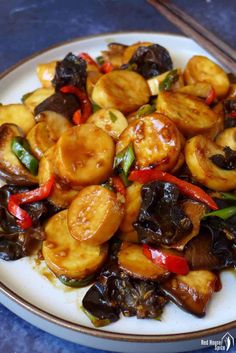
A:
30, 25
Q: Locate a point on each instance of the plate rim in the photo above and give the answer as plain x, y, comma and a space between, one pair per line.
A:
100, 333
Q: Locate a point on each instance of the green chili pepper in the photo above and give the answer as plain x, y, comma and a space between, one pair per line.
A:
113, 117
95, 320
76, 283
100, 60
95, 107
124, 178
224, 213
226, 196
146, 109
20, 147
125, 159
171, 78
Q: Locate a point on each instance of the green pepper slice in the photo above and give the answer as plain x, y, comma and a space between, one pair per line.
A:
21, 148
171, 78
95, 320
76, 283
125, 159
224, 213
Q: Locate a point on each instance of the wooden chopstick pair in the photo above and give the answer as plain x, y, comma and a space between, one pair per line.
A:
220, 50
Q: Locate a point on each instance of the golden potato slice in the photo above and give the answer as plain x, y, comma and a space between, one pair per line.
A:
227, 138
92, 79
132, 206
190, 114
156, 141
37, 97
114, 54
122, 90
154, 82
17, 114
57, 123
131, 49
46, 72
94, 215
191, 292
9, 163
112, 121
62, 194
180, 162
132, 260
198, 150
201, 69
66, 256
84, 155
40, 139
199, 89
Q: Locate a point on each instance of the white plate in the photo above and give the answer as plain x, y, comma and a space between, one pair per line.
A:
32, 296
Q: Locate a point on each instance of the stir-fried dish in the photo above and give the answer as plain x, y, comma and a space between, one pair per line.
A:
123, 168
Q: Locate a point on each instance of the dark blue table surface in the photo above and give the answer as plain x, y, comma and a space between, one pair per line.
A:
28, 26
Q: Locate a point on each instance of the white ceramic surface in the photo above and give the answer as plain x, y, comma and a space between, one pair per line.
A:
25, 280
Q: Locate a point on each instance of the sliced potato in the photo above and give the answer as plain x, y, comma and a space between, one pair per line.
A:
112, 121
195, 211
156, 141
94, 215
57, 123
40, 139
62, 194
191, 292
92, 79
132, 206
84, 155
46, 72
227, 138
189, 113
154, 82
122, 90
132, 260
131, 49
199, 89
201, 69
198, 150
12, 170
219, 125
37, 97
114, 54
66, 256
179, 163
17, 114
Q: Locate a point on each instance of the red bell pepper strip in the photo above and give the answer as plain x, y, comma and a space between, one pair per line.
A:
118, 185
106, 68
172, 263
77, 117
211, 97
23, 218
232, 115
147, 175
89, 60
86, 107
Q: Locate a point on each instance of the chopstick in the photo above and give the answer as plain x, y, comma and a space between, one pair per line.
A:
220, 50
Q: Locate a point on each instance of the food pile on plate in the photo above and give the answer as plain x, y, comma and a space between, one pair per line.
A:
123, 169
